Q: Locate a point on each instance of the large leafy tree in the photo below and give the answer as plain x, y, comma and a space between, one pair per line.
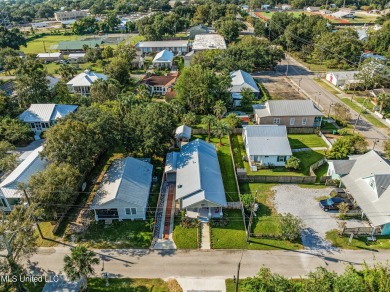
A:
85, 25
119, 69
55, 185
373, 74
19, 232
278, 24
31, 83
338, 48
79, 264
250, 54
220, 129
14, 131
209, 120
7, 159
102, 90
229, 28
207, 58
66, 72
11, 38
352, 144
199, 88
379, 41
149, 128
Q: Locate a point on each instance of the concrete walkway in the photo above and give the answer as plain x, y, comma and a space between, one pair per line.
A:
205, 239
215, 284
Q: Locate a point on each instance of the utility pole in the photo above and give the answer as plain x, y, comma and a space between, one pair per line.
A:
357, 120
35, 219
238, 276
253, 207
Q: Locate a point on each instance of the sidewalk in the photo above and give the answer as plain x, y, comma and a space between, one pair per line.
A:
205, 239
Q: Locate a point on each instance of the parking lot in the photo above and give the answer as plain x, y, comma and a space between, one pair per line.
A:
302, 203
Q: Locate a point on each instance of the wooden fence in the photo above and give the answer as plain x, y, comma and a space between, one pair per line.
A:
356, 231
277, 179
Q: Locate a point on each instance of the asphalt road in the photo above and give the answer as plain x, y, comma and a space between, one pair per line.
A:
210, 264
303, 78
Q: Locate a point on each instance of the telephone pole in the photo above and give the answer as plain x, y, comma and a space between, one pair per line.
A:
253, 210
35, 219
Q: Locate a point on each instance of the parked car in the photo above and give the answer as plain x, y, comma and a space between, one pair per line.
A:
333, 203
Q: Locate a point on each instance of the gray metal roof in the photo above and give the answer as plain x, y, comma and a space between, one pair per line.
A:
343, 166
162, 44
46, 112
198, 176
374, 201
286, 108
127, 180
344, 75
208, 42
267, 140
163, 56
171, 161
241, 80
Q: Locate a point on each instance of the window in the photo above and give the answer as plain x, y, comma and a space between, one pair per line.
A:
292, 121
276, 120
33, 125
281, 158
127, 211
304, 121
3, 202
133, 211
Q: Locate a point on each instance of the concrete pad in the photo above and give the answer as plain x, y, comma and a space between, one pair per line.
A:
205, 240
202, 284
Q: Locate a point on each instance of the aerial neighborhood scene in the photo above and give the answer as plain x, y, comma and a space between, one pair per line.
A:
195, 145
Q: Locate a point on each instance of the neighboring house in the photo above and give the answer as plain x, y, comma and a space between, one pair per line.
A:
180, 46
183, 135
70, 15
160, 84
343, 14
187, 58
50, 57
208, 42
138, 61
240, 81
124, 190
82, 83
266, 145
313, 9
340, 78
163, 59
339, 168
362, 35
376, 92
51, 82
199, 186
76, 58
291, 113
10, 194
8, 88
77, 46
374, 56
369, 184
198, 29
41, 117
286, 7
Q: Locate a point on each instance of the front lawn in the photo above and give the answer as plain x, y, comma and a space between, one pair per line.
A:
305, 141
321, 171
185, 237
326, 85
125, 234
383, 242
365, 114
267, 220
226, 165
47, 230
128, 285
45, 43
307, 158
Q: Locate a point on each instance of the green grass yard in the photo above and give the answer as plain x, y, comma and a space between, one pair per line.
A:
367, 104
305, 141
128, 285
369, 117
47, 230
326, 85
307, 158
360, 243
38, 45
125, 234
185, 238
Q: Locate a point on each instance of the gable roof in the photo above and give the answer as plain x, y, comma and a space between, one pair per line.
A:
86, 78
162, 44
267, 140
49, 55
183, 131
46, 112
342, 166
164, 56
198, 175
375, 202
344, 75
22, 173
161, 80
241, 80
286, 108
127, 181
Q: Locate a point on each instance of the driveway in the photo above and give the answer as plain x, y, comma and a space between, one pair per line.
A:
302, 203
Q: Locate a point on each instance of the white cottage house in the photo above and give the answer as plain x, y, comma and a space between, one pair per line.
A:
82, 83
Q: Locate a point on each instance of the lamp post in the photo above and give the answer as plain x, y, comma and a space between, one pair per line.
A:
105, 275
375, 141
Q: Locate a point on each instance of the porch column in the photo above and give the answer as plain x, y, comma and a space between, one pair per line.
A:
209, 214
220, 212
96, 217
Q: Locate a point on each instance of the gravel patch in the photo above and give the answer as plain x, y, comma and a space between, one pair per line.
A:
301, 202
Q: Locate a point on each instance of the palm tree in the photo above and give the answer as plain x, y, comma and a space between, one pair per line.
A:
219, 109
220, 129
79, 265
66, 72
209, 120
382, 99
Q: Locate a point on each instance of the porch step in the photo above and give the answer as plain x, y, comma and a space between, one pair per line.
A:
205, 236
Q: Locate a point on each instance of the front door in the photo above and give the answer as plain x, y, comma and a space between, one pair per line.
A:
38, 127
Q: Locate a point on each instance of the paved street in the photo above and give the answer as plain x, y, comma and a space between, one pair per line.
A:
301, 76
211, 264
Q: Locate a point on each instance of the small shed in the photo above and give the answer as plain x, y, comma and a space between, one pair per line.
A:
183, 134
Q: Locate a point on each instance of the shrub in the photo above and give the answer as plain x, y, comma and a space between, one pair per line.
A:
290, 227
173, 286
293, 163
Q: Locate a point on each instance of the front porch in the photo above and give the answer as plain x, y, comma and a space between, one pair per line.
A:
204, 214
